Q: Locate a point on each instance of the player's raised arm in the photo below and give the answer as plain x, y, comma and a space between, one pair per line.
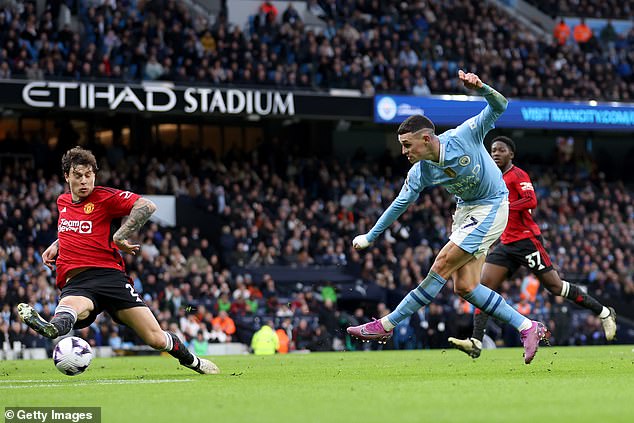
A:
496, 100
140, 213
477, 127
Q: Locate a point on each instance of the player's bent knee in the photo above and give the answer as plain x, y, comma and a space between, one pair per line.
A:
440, 265
157, 340
83, 315
463, 290
464, 285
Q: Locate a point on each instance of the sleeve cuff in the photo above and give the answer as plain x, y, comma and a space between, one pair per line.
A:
484, 90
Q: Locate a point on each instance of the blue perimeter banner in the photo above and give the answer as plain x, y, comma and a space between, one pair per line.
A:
452, 110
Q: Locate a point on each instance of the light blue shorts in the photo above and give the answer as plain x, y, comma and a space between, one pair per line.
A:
476, 228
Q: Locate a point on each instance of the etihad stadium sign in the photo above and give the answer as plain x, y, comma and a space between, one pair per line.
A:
167, 98
157, 98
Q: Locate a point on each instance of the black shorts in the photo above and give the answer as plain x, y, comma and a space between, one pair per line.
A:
109, 290
528, 252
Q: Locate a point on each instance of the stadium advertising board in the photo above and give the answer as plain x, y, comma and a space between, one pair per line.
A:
455, 109
155, 97
168, 98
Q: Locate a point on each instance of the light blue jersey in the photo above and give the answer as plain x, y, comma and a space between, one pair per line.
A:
465, 167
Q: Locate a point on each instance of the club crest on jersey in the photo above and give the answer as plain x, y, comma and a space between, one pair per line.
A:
464, 161
450, 172
88, 208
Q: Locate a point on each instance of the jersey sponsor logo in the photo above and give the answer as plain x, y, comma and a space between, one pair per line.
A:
78, 226
88, 208
450, 172
125, 194
463, 185
85, 227
464, 161
472, 123
526, 186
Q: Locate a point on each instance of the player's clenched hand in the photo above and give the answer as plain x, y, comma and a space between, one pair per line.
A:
360, 242
125, 246
470, 80
48, 256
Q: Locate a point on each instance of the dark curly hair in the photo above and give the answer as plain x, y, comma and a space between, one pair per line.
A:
78, 156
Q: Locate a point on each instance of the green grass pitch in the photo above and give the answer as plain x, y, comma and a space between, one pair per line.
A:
563, 384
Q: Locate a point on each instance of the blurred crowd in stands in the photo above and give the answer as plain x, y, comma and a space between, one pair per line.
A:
368, 45
600, 9
277, 207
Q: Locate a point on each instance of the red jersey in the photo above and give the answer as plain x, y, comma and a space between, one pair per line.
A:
84, 230
522, 200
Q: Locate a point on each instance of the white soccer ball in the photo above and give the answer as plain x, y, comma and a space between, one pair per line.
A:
72, 355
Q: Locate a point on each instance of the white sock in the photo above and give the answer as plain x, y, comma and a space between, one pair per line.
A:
526, 324
565, 287
387, 325
195, 363
169, 343
605, 312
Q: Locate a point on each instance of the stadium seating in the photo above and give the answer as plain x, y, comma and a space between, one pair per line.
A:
604, 9
392, 48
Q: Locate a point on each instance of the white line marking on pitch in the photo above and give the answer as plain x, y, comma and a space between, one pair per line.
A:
41, 383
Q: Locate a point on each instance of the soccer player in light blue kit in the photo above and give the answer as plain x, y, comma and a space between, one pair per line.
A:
458, 161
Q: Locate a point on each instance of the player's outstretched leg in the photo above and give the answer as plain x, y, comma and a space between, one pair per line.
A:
142, 321
422, 295
33, 320
177, 349
574, 293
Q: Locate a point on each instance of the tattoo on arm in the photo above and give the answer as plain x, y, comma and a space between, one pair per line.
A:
140, 213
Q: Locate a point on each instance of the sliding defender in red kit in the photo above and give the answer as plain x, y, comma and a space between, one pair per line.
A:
90, 269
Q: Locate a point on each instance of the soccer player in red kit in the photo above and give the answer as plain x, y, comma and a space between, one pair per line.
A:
521, 245
90, 269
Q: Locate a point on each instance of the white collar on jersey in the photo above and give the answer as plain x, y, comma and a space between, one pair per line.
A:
441, 156
441, 159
